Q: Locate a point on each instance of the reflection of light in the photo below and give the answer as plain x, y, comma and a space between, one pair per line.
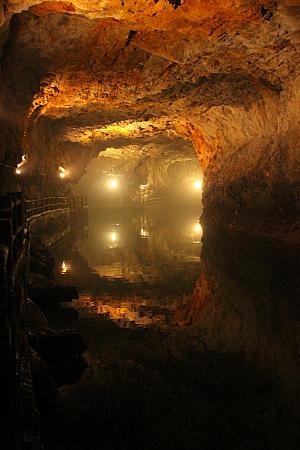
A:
65, 267
18, 171
62, 172
197, 184
196, 233
198, 228
143, 186
113, 183
144, 233
114, 236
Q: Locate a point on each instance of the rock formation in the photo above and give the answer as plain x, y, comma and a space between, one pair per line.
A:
224, 74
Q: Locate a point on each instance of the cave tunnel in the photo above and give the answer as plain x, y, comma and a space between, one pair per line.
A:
150, 224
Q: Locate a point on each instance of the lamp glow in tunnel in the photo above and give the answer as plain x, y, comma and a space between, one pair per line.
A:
18, 169
197, 184
113, 183
198, 228
114, 236
62, 172
144, 233
65, 267
196, 233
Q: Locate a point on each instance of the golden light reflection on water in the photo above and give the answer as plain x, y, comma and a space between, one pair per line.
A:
113, 236
155, 261
113, 270
128, 311
196, 233
65, 267
144, 233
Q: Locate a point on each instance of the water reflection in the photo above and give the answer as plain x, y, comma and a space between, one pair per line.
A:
243, 297
139, 266
188, 353
65, 267
127, 312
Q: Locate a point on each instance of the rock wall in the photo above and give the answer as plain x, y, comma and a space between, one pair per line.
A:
245, 302
225, 74
252, 174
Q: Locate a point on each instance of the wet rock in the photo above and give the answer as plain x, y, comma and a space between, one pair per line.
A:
62, 350
34, 316
42, 267
44, 387
37, 280
45, 296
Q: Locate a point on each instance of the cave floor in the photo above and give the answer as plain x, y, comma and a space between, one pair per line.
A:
192, 341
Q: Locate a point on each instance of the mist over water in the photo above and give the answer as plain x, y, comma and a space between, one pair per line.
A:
192, 336
140, 264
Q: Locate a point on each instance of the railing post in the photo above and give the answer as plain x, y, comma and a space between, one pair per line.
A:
37, 207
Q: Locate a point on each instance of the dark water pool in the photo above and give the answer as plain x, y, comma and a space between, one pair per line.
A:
193, 341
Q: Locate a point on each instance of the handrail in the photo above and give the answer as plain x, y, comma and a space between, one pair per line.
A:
37, 207
16, 213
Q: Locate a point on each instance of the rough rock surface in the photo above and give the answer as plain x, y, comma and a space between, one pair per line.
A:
145, 169
224, 74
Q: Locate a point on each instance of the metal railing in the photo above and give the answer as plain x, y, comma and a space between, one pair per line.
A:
15, 213
12, 229
153, 201
38, 207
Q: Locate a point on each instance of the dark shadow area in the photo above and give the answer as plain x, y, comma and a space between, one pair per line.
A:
211, 364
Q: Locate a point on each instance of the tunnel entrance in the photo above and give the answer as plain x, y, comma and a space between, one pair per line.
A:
164, 173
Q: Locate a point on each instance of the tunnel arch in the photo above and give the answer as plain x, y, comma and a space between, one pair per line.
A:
142, 164
72, 75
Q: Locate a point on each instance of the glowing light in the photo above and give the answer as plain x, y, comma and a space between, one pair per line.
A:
65, 267
143, 186
196, 233
198, 184
18, 169
114, 236
144, 233
198, 228
62, 172
113, 183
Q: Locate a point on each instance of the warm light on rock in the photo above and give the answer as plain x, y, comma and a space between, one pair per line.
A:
197, 184
113, 183
224, 75
62, 172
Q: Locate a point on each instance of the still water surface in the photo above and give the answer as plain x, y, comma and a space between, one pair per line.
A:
140, 267
193, 341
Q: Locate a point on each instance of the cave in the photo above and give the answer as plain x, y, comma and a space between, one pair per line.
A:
150, 224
